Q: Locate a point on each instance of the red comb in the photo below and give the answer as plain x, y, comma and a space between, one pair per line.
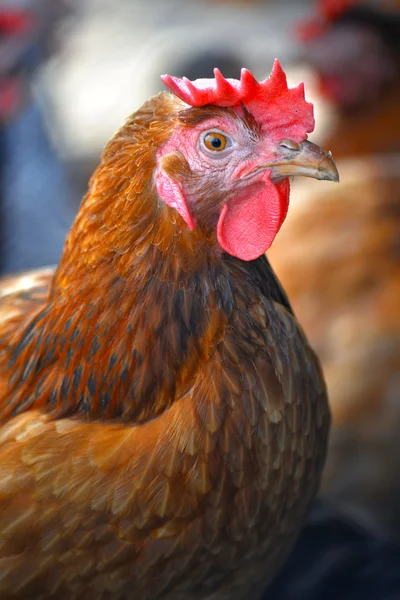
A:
227, 92
270, 101
218, 91
329, 11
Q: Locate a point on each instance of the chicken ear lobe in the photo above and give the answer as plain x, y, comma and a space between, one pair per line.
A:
170, 191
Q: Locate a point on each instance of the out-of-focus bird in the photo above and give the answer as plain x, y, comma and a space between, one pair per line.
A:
164, 421
354, 47
36, 202
338, 257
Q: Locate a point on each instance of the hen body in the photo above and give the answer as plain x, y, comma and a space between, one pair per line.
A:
163, 420
206, 496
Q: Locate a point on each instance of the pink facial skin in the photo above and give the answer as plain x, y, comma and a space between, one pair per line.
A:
249, 206
253, 207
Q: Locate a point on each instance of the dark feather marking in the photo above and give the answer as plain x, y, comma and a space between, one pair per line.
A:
105, 399
65, 387
75, 334
177, 315
91, 385
178, 303
49, 341
95, 345
54, 396
47, 356
103, 329
225, 291
29, 367
40, 387
29, 335
19, 408
68, 324
197, 323
76, 380
70, 355
113, 361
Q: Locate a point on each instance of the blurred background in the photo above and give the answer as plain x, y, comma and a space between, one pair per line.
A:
70, 73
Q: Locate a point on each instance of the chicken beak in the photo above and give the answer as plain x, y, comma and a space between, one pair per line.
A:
305, 159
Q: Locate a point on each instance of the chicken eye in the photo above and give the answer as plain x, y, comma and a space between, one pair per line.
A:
215, 141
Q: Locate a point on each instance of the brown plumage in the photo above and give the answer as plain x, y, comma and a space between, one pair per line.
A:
164, 421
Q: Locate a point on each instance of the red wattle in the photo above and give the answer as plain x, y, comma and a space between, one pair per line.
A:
249, 222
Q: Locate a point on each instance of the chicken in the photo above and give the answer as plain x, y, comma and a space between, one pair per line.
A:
163, 419
343, 278
354, 49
